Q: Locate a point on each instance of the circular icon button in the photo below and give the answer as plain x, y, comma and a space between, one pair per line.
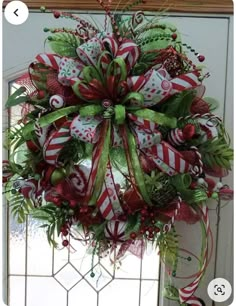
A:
219, 290
16, 12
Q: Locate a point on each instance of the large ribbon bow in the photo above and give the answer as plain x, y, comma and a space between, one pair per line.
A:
115, 113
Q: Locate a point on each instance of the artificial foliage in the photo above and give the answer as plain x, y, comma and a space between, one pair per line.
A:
116, 141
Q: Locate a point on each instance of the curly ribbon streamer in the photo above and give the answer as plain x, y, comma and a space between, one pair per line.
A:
186, 293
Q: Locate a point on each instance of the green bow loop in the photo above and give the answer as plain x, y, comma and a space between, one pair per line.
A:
158, 118
104, 147
138, 173
103, 55
194, 196
138, 97
48, 119
90, 110
90, 73
75, 88
117, 67
181, 181
120, 114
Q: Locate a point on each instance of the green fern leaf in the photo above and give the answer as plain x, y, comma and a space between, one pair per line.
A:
64, 44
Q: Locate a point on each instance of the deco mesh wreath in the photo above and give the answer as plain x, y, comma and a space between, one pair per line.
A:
125, 103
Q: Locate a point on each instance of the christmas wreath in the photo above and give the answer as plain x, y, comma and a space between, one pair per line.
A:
116, 142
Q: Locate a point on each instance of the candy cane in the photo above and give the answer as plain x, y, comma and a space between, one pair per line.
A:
167, 227
197, 169
197, 116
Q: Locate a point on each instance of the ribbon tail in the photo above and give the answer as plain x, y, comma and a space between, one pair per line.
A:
108, 201
135, 164
100, 159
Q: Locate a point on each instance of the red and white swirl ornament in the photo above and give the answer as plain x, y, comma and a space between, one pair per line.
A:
79, 179
56, 101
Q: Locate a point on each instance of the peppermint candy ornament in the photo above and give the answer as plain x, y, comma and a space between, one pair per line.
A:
177, 137
6, 171
56, 102
115, 230
79, 178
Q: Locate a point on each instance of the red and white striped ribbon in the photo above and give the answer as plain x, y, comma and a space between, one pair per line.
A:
185, 81
51, 60
167, 159
108, 201
130, 53
186, 293
55, 143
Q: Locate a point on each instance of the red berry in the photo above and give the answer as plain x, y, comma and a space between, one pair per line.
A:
142, 231
57, 14
201, 58
41, 94
143, 219
64, 232
65, 243
73, 204
174, 36
133, 235
151, 235
123, 218
151, 214
157, 229
143, 212
150, 229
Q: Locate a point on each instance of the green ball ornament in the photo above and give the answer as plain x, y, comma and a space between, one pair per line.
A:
37, 177
71, 212
43, 9
214, 195
58, 176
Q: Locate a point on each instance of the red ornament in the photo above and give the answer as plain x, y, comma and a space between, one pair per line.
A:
189, 131
133, 200
200, 107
